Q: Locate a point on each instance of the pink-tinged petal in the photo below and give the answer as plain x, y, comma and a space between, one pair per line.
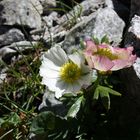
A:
130, 49
102, 63
103, 46
91, 46
132, 59
123, 53
119, 64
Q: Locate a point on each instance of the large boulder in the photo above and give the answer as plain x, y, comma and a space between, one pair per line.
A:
21, 12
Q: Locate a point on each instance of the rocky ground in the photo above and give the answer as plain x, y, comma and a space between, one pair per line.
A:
26, 22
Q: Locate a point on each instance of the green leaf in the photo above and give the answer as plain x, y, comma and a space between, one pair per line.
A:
43, 122
96, 94
113, 92
82, 45
96, 40
105, 99
75, 108
109, 90
1, 121
105, 39
14, 118
104, 94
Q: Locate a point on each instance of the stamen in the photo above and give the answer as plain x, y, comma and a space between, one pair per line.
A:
106, 52
70, 72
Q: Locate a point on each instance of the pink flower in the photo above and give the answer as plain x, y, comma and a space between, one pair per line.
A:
104, 57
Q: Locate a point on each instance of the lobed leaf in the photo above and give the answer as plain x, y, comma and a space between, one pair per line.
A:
43, 122
75, 108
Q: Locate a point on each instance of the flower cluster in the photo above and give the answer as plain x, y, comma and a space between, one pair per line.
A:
63, 73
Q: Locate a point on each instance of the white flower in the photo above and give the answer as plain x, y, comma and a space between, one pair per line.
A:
64, 74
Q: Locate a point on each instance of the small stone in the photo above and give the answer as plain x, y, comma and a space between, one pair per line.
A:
10, 36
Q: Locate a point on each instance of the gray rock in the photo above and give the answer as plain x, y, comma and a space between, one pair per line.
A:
50, 103
47, 5
108, 23
10, 36
102, 22
3, 75
109, 3
37, 34
136, 67
21, 12
50, 19
4, 51
133, 34
55, 38
54, 35
22, 45
7, 52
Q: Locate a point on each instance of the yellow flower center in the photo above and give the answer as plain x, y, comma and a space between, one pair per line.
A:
106, 52
70, 72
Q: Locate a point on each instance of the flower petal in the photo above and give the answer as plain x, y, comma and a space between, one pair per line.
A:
85, 80
77, 58
85, 69
73, 88
91, 46
58, 94
49, 64
102, 63
48, 73
50, 83
123, 53
119, 64
76, 87
57, 56
132, 60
